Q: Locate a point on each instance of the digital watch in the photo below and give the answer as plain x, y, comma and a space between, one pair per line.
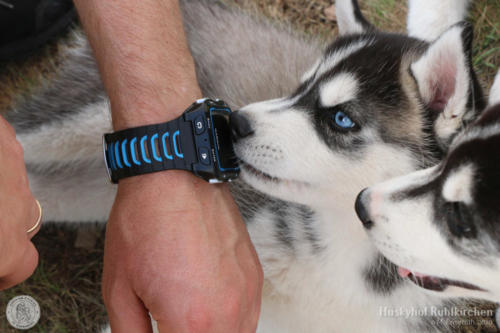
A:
198, 141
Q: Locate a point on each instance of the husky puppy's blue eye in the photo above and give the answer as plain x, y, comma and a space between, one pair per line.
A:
343, 121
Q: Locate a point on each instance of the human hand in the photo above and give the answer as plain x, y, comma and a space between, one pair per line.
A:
178, 248
18, 212
175, 245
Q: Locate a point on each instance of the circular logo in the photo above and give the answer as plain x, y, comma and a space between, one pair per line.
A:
23, 312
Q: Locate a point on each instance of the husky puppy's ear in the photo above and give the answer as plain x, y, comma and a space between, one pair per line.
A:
495, 91
350, 20
447, 83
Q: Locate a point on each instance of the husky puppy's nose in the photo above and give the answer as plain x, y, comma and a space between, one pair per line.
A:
362, 212
240, 126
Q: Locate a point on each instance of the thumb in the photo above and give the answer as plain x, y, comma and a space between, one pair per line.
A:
27, 265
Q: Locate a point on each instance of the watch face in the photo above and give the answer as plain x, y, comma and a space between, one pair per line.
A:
226, 158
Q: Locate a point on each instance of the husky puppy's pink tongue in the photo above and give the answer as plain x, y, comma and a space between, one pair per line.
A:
403, 272
432, 282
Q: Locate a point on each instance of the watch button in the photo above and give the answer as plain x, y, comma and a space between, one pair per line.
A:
204, 156
199, 125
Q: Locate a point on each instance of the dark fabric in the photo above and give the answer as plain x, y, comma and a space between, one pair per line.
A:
18, 22
31, 23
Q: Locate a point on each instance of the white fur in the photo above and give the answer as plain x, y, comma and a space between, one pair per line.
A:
323, 65
473, 133
80, 137
285, 145
346, 21
405, 232
341, 89
310, 73
428, 19
339, 55
77, 150
495, 91
458, 185
497, 317
306, 291
446, 51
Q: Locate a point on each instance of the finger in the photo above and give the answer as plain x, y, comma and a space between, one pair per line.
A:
5, 127
164, 327
25, 268
127, 313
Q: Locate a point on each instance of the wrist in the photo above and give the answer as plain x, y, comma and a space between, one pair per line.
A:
177, 187
173, 180
146, 109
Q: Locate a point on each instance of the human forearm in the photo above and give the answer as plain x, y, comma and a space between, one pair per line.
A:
175, 246
143, 58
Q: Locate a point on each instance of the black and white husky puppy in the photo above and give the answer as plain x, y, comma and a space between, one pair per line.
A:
374, 106
444, 221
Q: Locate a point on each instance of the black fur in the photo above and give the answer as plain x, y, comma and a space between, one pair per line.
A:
382, 276
381, 95
358, 16
46, 105
289, 234
282, 227
466, 225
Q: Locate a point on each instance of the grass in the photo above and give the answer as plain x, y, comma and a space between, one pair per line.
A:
486, 16
67, 281
389, 15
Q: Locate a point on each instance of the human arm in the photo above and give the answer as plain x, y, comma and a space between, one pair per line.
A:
175, 245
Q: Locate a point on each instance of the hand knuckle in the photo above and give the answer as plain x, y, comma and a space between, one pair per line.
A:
260, 274
13, 148
17, 148
27, 201
8, 129
199, 318
233, 306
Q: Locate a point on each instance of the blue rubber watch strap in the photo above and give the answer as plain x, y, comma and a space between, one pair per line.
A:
150, 148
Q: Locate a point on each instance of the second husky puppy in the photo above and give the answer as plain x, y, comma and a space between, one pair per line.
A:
445, 221
374, 106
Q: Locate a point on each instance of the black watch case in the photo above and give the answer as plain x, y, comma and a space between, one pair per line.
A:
217, 161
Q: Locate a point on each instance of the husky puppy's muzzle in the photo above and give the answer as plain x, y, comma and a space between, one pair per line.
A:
366, 207
240, 126
361, 211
